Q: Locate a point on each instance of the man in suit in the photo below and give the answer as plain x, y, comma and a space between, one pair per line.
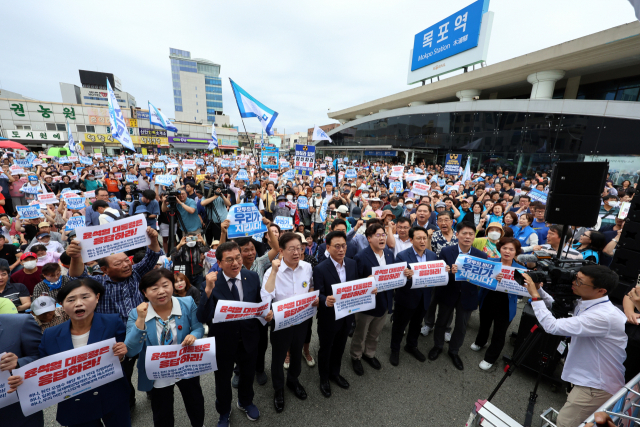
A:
460, 296
19, 340
369, 324
338, 225
332, 333
411, 304
236, 341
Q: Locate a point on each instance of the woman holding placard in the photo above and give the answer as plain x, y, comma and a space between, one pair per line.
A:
108, 403
165, 320
497, 307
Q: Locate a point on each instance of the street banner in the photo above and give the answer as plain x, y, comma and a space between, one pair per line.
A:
294, 310
508, 284
429, 274
420, 189
6, 399
354, 297
76, 202
478, 271
303, 202
537, 196
114, 237
452, 164
176, 361
229, 311
75, 222
29, 212
53, 379
304, 159
245, 221
49, 198
389, 276
284, 222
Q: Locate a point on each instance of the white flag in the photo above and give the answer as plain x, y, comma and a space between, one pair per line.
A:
72, 143
118, 128
319, 135
157, 118
213, 144
251, 107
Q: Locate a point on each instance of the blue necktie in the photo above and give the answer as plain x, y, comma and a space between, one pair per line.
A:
234, 289
166, 337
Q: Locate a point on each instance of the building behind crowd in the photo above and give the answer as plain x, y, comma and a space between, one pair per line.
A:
197, 88
574, 101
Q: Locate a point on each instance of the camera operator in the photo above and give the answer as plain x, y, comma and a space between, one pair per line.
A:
594, 364
148, 205
188, 211
216, 207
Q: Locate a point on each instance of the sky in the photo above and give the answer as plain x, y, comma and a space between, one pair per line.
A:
301, 59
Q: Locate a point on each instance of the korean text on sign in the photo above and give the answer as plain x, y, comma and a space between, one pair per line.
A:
389, 276
229, 311
353, 297
114, 237
478, 271
176, 361
245, 221
294, 310
429, 274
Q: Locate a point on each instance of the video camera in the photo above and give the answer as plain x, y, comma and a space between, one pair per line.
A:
172, 198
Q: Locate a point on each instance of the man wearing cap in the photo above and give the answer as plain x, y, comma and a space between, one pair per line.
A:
44, 239
147, 205
30, 274
45, 227
46, 313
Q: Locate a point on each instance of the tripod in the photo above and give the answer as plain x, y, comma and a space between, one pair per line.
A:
173, 213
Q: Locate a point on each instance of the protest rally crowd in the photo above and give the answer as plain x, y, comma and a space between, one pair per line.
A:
355, 245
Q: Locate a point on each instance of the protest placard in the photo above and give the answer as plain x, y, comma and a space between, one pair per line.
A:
166, 180
131, 178
158, 165
188, 164
395, 187
420, 189
62, 376
537, 196
31, 189
273, 176
176, 361
354, 297
210, 257
351, 174
429, 274
242, 175
303, 202
624, 210
6, 399
210, 169
508, 284
75, 202
114, 237
75, 222
389, 276
48, 198
397, 171
229, 311
478, 271
294, 310
245, 221
16, 170
284, 222
73, 159
29, 212
145, 164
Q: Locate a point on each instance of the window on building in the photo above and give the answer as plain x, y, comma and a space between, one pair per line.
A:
91, 129
61, 127
23, 127
81, 128
51, 126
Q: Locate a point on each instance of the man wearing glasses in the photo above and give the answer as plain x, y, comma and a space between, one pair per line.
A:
282, 281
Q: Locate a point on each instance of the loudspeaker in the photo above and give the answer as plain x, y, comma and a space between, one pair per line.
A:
626, 261
579, 178
575, 193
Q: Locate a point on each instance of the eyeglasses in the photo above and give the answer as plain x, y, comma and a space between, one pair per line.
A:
339, 246
379, 236
294, 249
421, 239
579, 283
237, 259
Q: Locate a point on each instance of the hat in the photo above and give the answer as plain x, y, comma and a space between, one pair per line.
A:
215, 242
498, 225
304, 239
407, 199
440, 205
43, 304
356, 213
44, 224
281, 197
374, 199
343, 209
369, 215
27, 255
387, 213
42, 235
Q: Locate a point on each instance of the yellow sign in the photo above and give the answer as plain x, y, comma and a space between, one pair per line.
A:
99, 137
131, 123
150, 140
104, 121
199, 178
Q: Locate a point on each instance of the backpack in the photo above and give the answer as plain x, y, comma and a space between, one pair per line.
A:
116, 218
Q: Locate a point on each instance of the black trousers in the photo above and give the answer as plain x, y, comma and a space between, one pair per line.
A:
632, 362
212, 232
403, 316
263, 344
128, 365
162, 403
282, 341
460, 329
247, 364
307, 340
495, 309
332, 343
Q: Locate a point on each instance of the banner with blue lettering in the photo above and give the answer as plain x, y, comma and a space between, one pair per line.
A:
23, 163
31, 189
75, 202
166, 180
290, 174
86, 160
284, 222
245, 221
305, 159
351, 174
478, 271
75, 222
131, 178
395, 187
158, 165
224, 163
452, 164
210, 169
537, 196
330, 178
200, 162
303, 202
242, 175
29, 212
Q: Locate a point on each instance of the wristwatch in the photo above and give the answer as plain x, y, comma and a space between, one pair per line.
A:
536, 299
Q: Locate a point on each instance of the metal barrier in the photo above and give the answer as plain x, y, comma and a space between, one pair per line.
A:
623, 407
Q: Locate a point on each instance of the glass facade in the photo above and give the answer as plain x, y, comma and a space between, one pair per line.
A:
626, 89
519, 141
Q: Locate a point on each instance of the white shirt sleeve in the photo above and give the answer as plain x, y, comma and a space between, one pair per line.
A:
589, 324
264, 295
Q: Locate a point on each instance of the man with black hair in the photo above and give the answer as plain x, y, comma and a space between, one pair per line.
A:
594, 363
338, 225
147, 205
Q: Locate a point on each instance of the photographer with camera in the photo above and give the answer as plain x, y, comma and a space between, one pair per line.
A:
188, 211
594, 363
148, 206
217, 209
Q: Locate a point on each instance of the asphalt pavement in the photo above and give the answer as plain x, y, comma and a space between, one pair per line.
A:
411, 394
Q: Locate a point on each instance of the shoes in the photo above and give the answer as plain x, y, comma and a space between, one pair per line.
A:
476, 347
278, 400
309, 359
286, 362
415, 353
325, 388
353, 329
235, 381
457, 362
394, 359
224, 420
447, 336
340, 381
251, 410
357, 367
485, 366
261, 377
425, 330
373, 361
298, 390
434, 353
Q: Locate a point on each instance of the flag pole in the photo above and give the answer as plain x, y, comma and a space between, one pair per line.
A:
251, 145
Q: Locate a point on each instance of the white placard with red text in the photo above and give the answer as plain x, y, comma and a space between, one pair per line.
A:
420, 189
273, 176
145, 164
354, 297
6, 399
294, 310
397, 171
508, 284
114, 237
390, 276
176, 361
228, 311
188, 164
48, 198
429, 274
63, 376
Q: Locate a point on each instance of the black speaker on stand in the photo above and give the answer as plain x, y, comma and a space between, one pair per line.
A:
626, 261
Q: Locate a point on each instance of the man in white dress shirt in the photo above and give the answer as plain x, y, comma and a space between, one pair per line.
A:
594, 363
285, 279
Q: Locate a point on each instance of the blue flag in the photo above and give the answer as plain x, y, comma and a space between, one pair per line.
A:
157, 118
118, 129
72, 143
251, 107
213, 144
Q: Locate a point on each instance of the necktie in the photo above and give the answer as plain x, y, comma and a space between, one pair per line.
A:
166, 338
234, 289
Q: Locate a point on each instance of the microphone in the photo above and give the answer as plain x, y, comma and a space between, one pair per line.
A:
525, 258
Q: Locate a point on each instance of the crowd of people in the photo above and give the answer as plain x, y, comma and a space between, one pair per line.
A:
346, 219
